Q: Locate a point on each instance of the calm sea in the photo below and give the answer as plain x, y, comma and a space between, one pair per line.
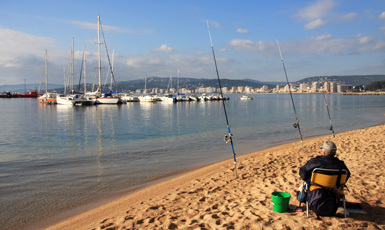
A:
56, 157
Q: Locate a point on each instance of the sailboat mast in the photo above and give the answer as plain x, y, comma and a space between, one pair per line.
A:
112, 67
178, 83
72, 67
99, 61
85, 76
46, 72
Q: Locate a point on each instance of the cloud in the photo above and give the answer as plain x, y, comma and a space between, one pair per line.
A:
94, 26
15, 44
155, 64
382, 15
349, 16
315, 24
163, 48
259, 47
314, 45
215, 24
318, 10
382, 28
242, 31
323, 37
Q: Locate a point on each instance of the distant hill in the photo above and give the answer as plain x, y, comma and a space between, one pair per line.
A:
189, 83
347, 80
194, 83
20, 88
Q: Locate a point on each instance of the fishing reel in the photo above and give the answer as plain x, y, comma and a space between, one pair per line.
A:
228, 138
331, 127
295, 125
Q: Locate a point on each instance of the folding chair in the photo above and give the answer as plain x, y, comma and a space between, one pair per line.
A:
328, 178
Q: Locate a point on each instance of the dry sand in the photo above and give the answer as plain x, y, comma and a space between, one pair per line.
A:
211, 198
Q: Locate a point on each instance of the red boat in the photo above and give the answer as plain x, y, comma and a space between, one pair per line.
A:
32, 94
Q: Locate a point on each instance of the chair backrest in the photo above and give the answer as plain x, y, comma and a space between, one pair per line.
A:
331, 178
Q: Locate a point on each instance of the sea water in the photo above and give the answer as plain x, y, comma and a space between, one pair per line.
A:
56, 157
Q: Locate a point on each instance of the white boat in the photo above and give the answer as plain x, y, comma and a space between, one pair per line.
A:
245, 97
47, 97
98, 97
107, 98
167, 98
128, 98
147, 98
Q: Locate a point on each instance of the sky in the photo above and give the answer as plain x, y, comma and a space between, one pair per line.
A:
156, 38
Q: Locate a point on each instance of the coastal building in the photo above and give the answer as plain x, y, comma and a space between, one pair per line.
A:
315, 87
240, 89
248, 90
303, 87
326, 87
233, 89
333, 87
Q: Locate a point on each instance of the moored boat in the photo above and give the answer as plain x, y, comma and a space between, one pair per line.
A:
246, 97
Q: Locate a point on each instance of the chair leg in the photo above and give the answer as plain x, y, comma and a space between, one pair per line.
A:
343, 201
307, 209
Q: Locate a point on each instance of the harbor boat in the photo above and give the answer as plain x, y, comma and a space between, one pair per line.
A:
147, 98
205, 97
167, 98
47, 97
31, 94
246, 97
74, 98
128, 98
98, 96
107, 98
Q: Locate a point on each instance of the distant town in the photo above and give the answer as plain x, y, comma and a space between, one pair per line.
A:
328, 87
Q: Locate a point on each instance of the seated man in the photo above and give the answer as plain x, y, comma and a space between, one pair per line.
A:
327, 160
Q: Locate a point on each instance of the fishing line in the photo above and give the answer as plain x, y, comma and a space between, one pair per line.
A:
330, 119
295, 125
228, 138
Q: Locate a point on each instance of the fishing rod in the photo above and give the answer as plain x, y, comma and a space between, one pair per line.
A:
228, 138
330, 120
295, 125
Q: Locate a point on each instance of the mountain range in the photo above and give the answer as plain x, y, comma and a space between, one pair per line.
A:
193, 83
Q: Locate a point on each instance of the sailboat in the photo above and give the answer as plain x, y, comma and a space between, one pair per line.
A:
47, 97
74, 98
97, 96
146, 97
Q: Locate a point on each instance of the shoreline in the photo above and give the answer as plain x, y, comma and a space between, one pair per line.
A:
145, 203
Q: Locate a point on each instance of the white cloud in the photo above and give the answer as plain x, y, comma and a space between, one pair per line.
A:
164, 48
349, 16
94, 26
242, 31
315, 24
15, 45
314, 45
215, 24
382, 15
382, 28
243, 44
323, 37
318, 10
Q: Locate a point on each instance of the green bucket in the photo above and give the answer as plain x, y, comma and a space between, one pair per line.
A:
280, 201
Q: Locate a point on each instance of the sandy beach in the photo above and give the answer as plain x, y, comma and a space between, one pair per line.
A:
211, 197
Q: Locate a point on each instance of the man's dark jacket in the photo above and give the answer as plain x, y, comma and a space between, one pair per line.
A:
325, 162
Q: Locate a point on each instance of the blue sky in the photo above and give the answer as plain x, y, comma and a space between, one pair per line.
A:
156, 38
